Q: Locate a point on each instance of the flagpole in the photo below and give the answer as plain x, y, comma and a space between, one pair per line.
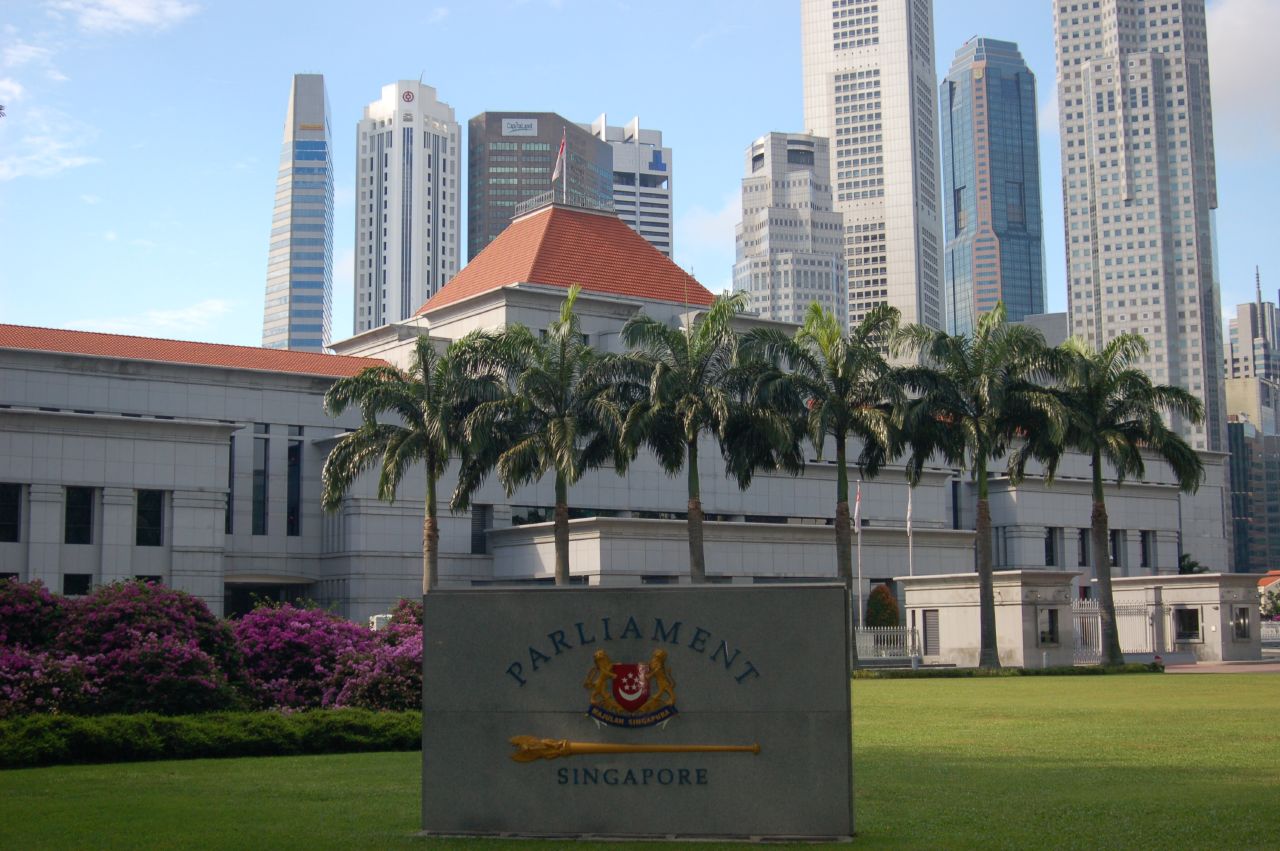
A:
858, 531
564, 178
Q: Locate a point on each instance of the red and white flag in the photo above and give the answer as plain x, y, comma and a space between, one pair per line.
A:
857, 509
555, 175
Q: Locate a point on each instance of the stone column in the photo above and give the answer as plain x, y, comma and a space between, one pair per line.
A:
118, 532
44, 534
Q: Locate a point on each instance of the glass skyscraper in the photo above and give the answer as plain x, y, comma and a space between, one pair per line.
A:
991, 185
299, 300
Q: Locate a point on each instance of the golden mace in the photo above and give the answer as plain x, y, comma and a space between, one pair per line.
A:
531, 748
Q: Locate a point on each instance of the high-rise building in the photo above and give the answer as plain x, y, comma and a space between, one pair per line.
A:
790, 242
510, 159
299, 301
991, 185
642, 179
408, 230
1139, 190
1253, 339
868, 88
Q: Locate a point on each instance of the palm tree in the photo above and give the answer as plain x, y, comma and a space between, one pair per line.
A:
847, 389
557, 414
976, 402
1113, 415
431, 401
689, 392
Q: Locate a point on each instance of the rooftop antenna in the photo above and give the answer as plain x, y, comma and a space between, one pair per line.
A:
1257, 283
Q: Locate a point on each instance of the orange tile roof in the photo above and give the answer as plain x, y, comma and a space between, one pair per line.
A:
561, 246
1271, 577
177, 351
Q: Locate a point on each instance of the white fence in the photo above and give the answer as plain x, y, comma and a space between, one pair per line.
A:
1135, 622
1270, 632
887, 642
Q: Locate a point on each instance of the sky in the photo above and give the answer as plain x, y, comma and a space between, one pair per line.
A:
139, 150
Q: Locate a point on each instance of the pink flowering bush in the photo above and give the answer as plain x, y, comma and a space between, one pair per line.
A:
407, 613
36, 681
388, 676
29, 615
291, 654
159, 673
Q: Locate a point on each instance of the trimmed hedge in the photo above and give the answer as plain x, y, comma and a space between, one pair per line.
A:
961, 673
35, 740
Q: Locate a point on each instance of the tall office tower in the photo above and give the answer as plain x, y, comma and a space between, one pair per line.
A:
991, 182
511, 157
641, 179
1253, 339
790, 242
299, 303
868, 88
1139, 190
408, 231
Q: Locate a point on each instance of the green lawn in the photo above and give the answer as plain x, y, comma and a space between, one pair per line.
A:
1117, 761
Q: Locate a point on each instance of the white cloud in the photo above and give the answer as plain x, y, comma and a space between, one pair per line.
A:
41, 142
142, 243
111, 236
23, 53
437, 15
10, 90
1047, 112
1240, 37
178, 320
91, 199
704, 242
125, 15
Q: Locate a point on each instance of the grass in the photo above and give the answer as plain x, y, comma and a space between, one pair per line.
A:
1120, 761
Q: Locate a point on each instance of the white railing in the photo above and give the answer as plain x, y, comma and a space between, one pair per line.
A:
887, 642
1270, 632
1135, 622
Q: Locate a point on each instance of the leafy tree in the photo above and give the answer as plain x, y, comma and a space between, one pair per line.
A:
430, 401
978, 401
556, 415
882, 607
1188, 564
692, 385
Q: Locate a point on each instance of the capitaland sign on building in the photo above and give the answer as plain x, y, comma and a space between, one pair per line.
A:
519, 127
686, 711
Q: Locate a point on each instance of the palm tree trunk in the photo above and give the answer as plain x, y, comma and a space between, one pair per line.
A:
562, 530
988, 651
844, 544
430, 540
697, 558
1109, 633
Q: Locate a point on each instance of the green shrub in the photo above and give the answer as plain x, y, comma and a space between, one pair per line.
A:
961, 673
34, 740
882, 608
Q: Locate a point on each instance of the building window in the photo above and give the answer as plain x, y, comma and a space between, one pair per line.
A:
261, 446
293, 481
77, 526
149, 530
481, 519
1240, 623
1083, 540
228, 524
1148, 541
76, 584
10, 513
1117, 548
1186, 625
1052, 537
1047, 626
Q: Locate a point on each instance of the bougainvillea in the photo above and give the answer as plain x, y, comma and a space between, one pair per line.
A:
407, 613
36, 681
118, 616
291, 654
29, 615
388, 676
159, 673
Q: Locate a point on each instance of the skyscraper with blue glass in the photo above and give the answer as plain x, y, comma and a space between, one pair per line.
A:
994, 248
299, 299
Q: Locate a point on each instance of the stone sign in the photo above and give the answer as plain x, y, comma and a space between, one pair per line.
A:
675, 712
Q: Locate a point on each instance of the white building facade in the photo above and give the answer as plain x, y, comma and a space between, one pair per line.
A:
789, 244
408, 233
1139, 190
643, 179
869, 88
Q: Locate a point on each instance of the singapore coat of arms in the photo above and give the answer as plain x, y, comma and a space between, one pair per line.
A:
631, 694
